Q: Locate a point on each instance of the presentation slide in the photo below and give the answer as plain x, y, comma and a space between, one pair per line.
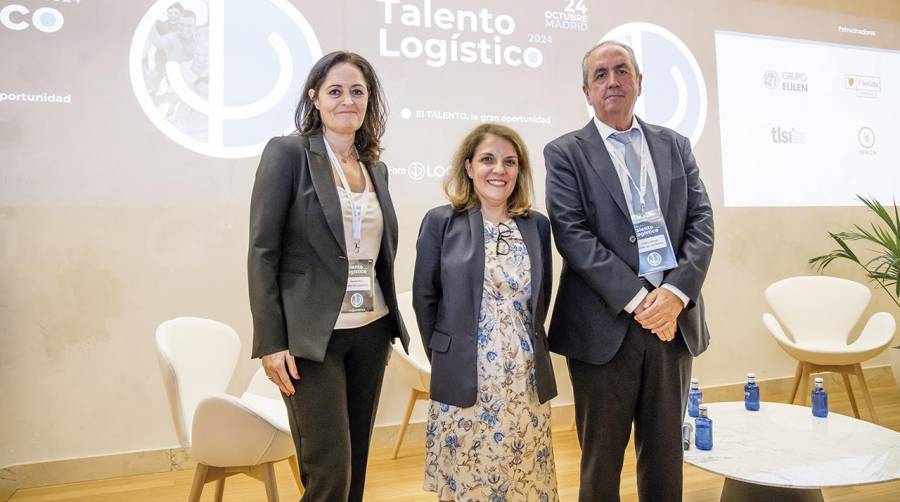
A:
806, 123
170, 103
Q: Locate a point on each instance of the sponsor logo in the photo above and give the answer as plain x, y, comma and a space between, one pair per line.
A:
864, 86
787, 135
356, 299
418, 171
216, 87
786, 81
18, 18
654, 259
674, 91
771, 80
866, 137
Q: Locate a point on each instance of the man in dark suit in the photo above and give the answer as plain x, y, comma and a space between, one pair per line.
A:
634, 226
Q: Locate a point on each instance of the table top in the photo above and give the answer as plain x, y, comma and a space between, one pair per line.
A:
785, 445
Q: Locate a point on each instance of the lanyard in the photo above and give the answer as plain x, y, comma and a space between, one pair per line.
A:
641, 185
357, 213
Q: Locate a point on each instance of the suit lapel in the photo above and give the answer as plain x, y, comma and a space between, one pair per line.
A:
320, 171
476, 278
660, 153
528, 228
591, 144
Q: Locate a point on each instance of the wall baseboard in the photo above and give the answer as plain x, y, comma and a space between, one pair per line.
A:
17, 477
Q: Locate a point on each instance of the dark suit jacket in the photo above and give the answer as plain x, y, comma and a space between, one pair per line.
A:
594, 234
297, 263
447, 287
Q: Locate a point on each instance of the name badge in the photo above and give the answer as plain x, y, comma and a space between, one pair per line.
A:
360, 284
655, 252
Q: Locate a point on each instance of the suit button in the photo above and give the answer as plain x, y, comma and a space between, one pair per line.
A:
341, 257
631, 239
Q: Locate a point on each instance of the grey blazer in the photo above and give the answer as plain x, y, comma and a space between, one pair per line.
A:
447, 287
594, 234
297, 262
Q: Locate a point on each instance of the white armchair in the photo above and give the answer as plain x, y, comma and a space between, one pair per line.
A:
226, 435
812, 322
414, 368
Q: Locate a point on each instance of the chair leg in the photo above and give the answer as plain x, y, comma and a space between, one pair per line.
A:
199, 480
850, 394
413, 394
804, 383
295, 470
797, 375
220, 490
268, 470
865, 389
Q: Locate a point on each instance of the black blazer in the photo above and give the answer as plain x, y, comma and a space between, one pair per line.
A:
297, 262
594, 234
447, 287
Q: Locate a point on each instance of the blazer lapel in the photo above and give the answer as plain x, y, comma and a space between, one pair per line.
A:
591, 144
476, 271
320, 171
528, 228
660, 153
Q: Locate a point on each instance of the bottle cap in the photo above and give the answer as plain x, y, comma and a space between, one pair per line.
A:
819, 380
703, 407
695, 381
751, 376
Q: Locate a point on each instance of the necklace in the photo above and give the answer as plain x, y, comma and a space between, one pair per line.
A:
352, 153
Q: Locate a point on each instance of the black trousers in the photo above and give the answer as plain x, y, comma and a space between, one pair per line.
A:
333, 410
645, 383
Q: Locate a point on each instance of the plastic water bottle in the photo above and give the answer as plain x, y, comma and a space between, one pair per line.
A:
819, 399
703, 430
751, 393
695, 397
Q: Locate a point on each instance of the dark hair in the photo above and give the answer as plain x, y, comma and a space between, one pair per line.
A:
368, 136
176, 5
460, 189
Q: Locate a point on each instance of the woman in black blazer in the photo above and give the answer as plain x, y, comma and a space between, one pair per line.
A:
323, 236
481, 289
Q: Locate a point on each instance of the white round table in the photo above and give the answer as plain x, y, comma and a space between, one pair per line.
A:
783, 452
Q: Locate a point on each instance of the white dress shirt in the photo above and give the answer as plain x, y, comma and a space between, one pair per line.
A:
606, 131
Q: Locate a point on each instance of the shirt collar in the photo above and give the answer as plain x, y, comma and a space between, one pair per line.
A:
607, 131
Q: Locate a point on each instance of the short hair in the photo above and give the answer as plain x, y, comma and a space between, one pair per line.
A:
460, 189
368, 136
175, 5
607, 43
190, 14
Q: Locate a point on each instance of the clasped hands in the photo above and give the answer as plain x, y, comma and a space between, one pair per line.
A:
658, 313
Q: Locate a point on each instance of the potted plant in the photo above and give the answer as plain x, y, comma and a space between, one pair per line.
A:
884, 267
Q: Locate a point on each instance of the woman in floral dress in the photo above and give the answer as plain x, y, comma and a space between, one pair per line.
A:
481, 289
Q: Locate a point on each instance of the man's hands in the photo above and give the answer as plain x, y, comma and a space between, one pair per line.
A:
659, 312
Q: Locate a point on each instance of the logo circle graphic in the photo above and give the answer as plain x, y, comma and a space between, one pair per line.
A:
866, 137
356, 300
674, 91
654, 259
416, 170
771, 79
219, 77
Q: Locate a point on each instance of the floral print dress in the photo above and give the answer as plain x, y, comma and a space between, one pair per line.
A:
499, 449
